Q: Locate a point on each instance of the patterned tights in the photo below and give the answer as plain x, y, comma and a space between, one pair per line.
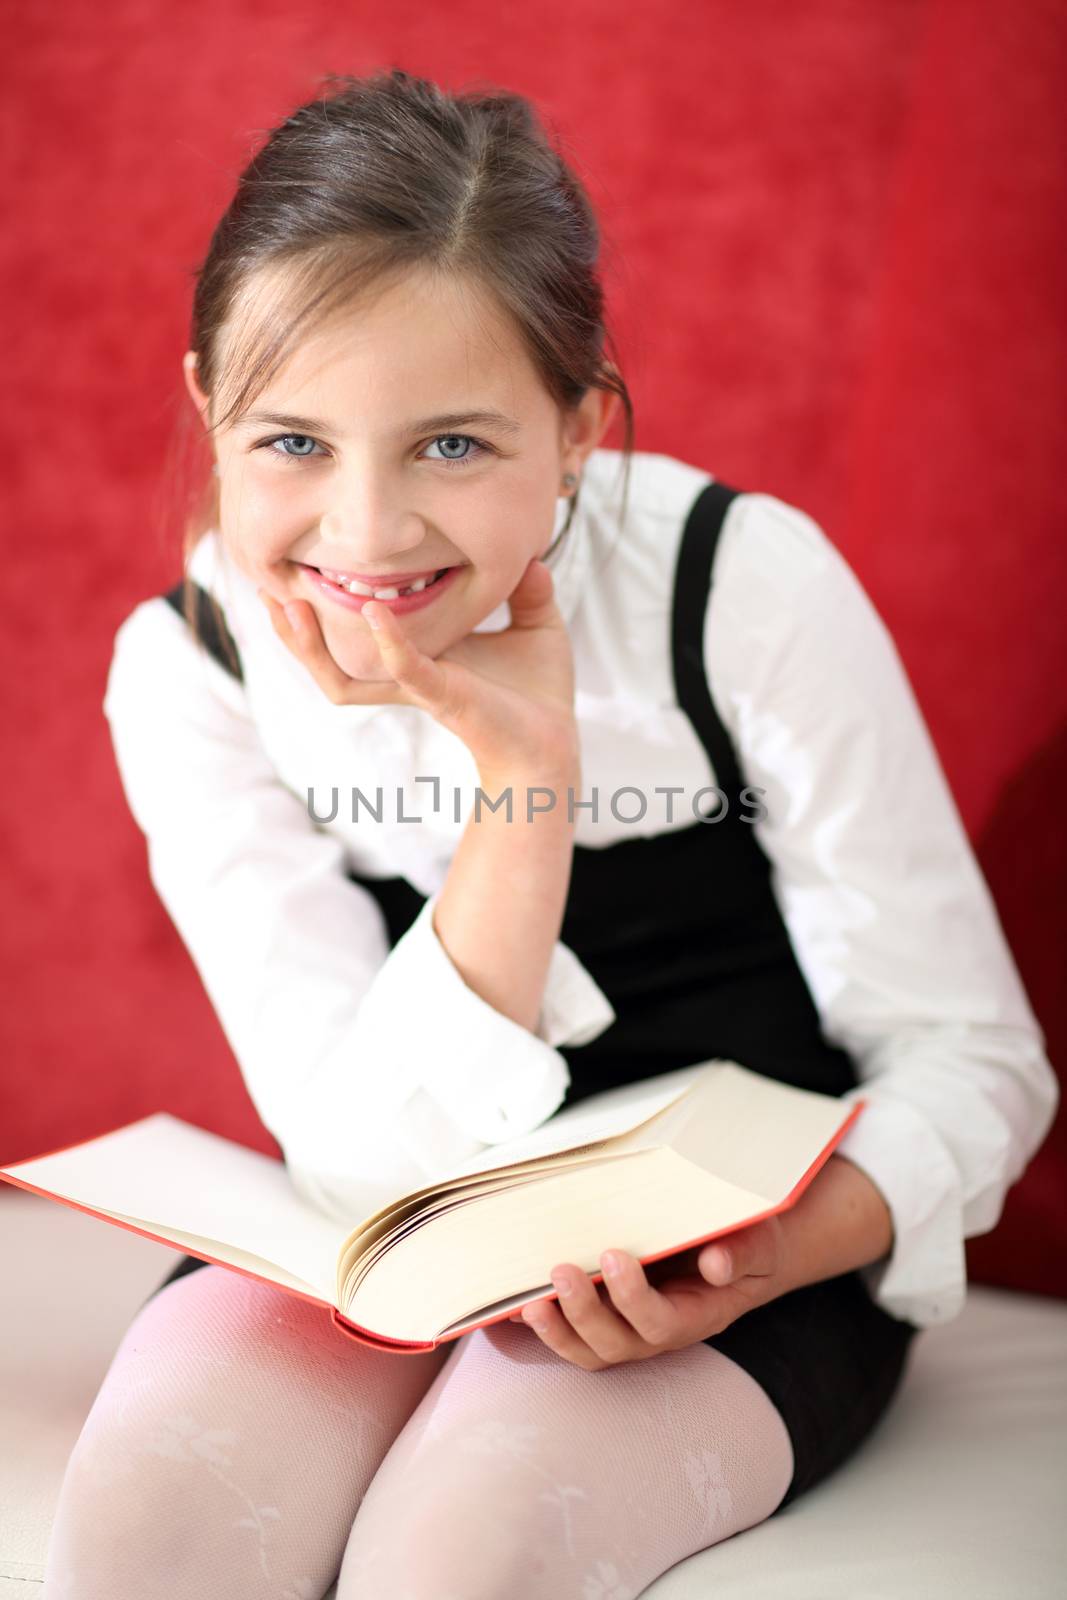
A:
240, 1445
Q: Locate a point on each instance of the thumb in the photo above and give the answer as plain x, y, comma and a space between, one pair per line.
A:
751, 1251
532, 602
717, 1265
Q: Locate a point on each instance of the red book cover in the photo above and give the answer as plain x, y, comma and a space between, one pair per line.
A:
347, 1325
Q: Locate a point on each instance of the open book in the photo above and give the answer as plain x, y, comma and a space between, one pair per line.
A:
652, 1168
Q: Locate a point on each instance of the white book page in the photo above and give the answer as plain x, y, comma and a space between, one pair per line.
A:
164, 1173
602, 1116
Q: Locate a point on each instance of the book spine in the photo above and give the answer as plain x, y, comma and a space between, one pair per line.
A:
398, 1347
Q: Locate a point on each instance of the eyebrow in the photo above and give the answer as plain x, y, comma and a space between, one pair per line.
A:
439, 424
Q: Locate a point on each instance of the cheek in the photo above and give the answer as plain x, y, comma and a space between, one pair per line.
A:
497, 568
259, 555
251, 522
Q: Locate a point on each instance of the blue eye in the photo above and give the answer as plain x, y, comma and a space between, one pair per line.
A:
282, 438
477, 448
461, 438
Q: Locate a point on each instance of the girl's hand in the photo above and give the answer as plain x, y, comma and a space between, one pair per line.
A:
509, 695
677, 1302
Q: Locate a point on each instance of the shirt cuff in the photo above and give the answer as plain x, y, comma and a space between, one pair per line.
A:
923, 1280
574, 1009
493, 1078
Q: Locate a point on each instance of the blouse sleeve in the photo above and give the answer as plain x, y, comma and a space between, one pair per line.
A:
372, 1067
890, 918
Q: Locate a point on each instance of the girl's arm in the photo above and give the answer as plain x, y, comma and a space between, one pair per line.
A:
370, 1066
891, 920
509, 698
501, 909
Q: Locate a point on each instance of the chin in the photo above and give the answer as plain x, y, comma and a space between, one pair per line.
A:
362, 671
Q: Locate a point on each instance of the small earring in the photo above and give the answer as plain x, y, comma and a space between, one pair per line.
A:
569, 480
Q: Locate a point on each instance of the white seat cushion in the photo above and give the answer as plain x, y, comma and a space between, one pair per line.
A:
960, 1491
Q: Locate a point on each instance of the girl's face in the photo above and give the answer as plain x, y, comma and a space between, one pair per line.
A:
410, 435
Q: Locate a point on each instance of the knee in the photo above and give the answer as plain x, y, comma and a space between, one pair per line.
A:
119, 1525
443, 1548
476, 1489
141, 1481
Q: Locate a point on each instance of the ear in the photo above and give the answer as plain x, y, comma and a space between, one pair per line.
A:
587, 424
604, 406
199, 398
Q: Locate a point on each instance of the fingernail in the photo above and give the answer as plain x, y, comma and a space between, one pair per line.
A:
610, 1262
292, 616
561, 1285
370, 619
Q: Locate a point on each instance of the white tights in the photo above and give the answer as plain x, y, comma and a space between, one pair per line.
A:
241, 1445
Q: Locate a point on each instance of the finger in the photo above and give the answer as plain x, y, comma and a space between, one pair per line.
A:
717, 1264
642, 1306
747, 1252
415, 671
532, 602
595, 1320
725, 1260
297, 625
294, 621
553, 1329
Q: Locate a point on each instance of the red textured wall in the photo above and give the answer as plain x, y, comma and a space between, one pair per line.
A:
834, 245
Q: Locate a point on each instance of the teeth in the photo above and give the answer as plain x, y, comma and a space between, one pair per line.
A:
354, 586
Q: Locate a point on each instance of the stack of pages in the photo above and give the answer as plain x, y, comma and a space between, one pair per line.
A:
653, 1168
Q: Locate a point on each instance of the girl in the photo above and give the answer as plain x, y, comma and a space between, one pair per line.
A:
728, 837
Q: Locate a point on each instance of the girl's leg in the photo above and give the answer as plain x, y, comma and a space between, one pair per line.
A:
228, 1448
523, 1475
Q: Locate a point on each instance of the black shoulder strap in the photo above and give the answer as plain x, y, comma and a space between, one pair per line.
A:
211, 625
692, 591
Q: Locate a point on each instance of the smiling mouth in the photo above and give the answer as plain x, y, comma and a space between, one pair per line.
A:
382, 591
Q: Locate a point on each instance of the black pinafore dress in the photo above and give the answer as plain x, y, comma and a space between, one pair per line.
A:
683, 934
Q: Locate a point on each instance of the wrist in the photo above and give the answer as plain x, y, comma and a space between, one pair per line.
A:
556, 767
840, 1223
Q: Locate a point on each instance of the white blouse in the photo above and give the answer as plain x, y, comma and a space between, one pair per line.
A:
375, 1067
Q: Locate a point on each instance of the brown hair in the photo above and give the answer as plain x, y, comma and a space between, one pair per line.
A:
381, 175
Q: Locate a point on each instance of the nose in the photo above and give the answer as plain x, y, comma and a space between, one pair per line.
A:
366, 522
